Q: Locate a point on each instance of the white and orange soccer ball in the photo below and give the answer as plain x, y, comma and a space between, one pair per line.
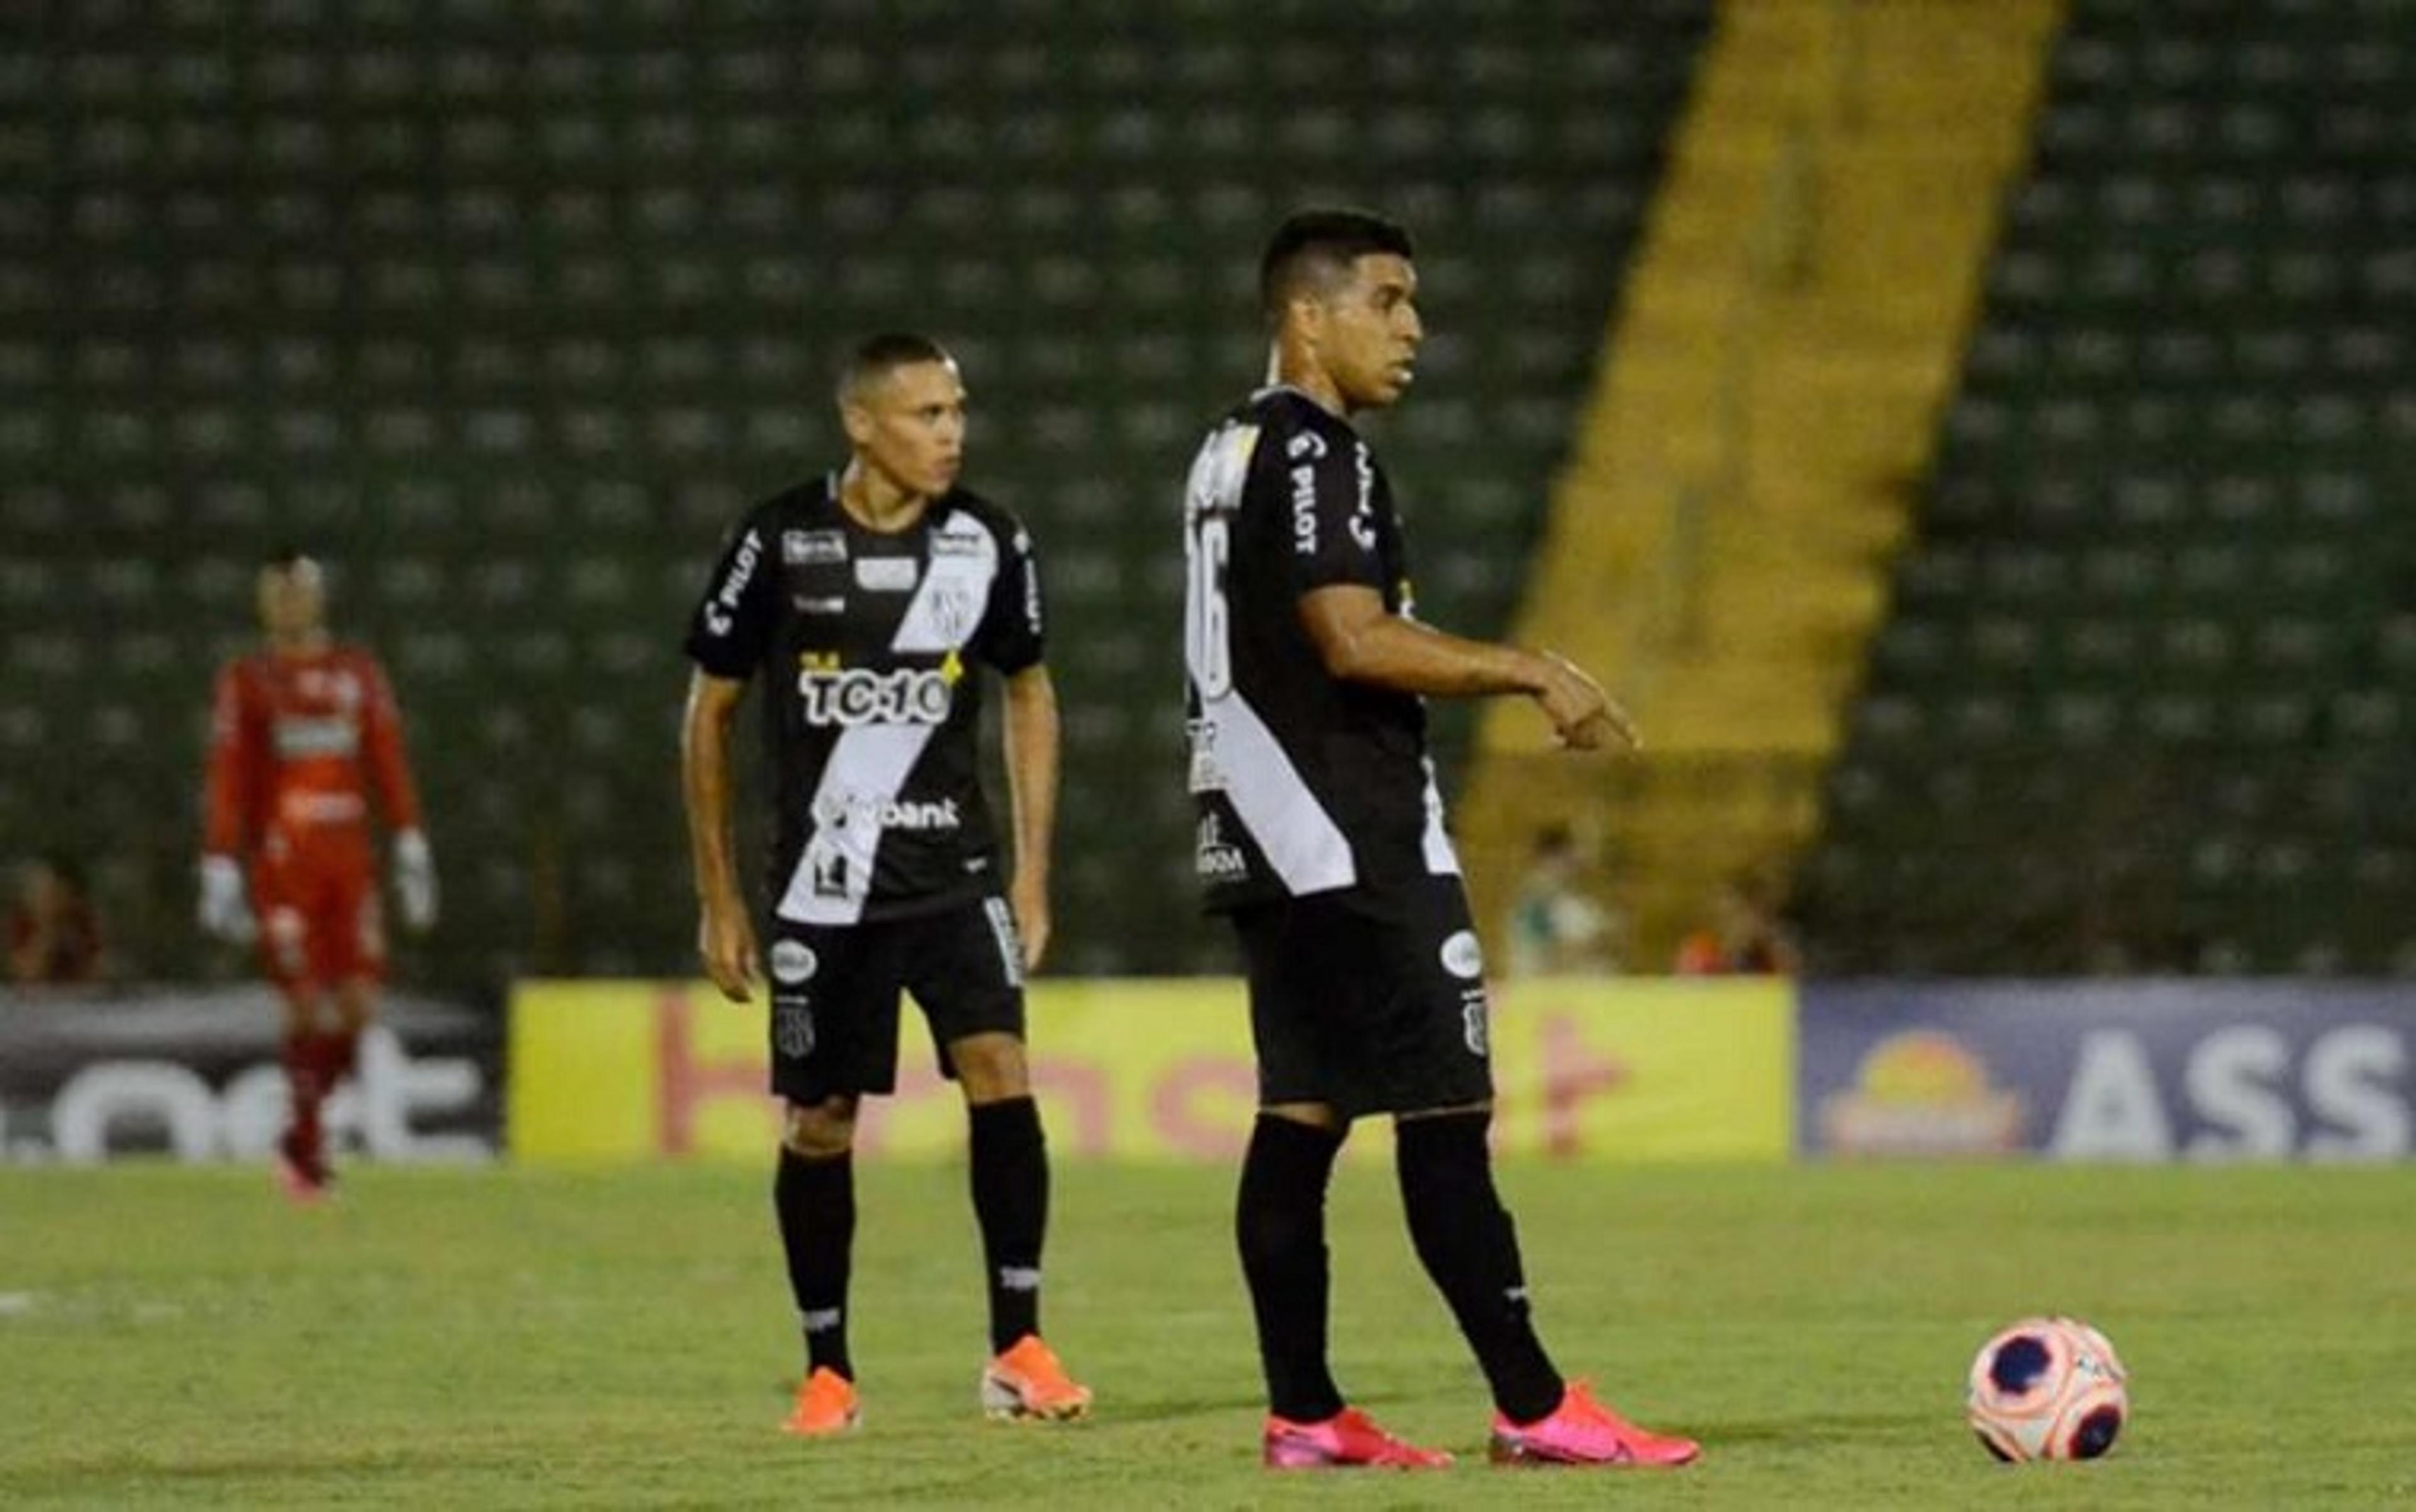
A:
2047, 1388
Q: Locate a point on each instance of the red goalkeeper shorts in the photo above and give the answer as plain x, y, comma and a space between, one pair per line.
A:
320, 922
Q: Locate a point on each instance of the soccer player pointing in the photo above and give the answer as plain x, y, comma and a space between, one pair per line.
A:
1320, 834
864, 600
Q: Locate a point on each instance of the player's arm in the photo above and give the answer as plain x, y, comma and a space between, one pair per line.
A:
1032, 756
398, 800
1010, 638
234, 753
1360, 641
725, 936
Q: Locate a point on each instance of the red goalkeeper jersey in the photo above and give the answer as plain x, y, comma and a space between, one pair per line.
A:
299, 746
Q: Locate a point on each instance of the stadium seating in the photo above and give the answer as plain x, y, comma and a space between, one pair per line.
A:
2143, 699
508, 310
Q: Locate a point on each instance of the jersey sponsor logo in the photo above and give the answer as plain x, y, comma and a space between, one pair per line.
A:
807, 548
887, 574
1215, 857
721, 609
1475, 1018
305, 806
1010, 944
1463, 957
301, 738
823, 607
1206, 776
858, 695
936, 813
956, 543
792, 961
832, 867
333, 685
1304, 510
1362, 517
793, 1024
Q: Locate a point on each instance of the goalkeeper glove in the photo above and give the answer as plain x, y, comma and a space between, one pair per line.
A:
224, 912
415, 880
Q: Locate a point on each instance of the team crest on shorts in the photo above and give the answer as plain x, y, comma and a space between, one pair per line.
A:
792, 1025
1463, 957
792, 961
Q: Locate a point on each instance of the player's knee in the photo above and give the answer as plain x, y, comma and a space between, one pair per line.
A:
819, 1130
1481, 1112
1317, 1116
991, 1066
302, 1008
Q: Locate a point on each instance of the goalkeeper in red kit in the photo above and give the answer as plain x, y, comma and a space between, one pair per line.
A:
304, 735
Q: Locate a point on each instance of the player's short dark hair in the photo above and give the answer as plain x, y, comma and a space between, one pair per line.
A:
1314, 247
285, 558
876, 358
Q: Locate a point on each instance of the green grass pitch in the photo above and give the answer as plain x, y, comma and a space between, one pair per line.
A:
486, 1339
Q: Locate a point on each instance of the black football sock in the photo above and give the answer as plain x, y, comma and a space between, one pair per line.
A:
816, 1202
1010, 1178
1465, 1239
1279, 1220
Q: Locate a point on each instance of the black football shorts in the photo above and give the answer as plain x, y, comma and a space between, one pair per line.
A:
835, 993
1370, 1001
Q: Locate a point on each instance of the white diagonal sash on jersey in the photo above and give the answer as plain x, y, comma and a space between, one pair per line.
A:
1299, 838
870, 763
955, 589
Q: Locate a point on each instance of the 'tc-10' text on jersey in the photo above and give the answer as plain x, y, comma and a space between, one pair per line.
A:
852, 696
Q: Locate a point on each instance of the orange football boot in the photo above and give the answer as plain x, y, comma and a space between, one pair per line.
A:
825, 1405
1029, 1382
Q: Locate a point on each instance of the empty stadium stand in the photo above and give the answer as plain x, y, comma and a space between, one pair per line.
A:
508, 309
2143, 701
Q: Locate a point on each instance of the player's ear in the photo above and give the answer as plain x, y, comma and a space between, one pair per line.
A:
1304, 312
857, 420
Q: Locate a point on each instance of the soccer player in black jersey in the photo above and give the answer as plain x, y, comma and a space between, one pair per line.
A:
1321, 833
867, 598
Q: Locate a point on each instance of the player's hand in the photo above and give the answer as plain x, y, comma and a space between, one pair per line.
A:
1029, 899
224, 912
414, 880
725, 939
1583, 716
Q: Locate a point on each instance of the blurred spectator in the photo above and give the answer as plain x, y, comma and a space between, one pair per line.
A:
1747, 938
1556, 929
54, 936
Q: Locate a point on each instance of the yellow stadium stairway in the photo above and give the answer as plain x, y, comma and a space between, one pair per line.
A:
1718, 546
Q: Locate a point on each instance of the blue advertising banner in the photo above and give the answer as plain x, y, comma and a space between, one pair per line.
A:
2164, 1070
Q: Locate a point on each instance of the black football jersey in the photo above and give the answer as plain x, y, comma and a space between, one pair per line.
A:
1303, 783
869, 646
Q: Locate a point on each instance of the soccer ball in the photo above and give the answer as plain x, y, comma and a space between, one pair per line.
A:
2047, 1388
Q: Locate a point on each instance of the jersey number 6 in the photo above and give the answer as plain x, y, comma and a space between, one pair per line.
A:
1212, 496
1204, 642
